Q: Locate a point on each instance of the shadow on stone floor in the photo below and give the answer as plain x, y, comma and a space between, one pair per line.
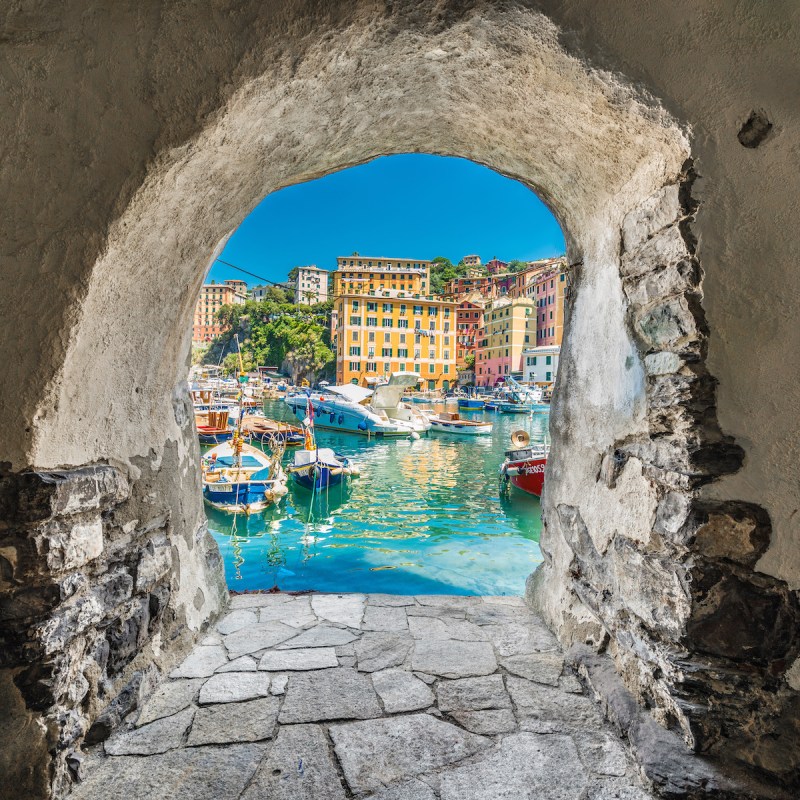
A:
381, 697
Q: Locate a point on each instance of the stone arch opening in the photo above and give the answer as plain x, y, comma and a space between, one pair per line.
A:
107, 574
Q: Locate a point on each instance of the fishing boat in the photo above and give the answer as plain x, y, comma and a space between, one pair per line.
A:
470, 403
355, 409
238, 477
514, 398
318, 468
524, 465
446, 422
213, 427
262, 429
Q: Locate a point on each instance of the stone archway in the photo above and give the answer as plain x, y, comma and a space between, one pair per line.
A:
164, 144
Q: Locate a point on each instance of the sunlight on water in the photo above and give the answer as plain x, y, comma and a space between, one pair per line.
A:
425, 516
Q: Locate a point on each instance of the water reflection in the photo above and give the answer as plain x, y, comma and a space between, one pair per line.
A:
425, 517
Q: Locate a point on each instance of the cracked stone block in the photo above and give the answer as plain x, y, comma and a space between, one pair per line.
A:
542, 709
380, 752
340, 693
258, 600
257, 637
154, 562
501, 614
453, 659
236, 620
539, 667
235, 722
504, 600
199, 773
410, 790
656, 212
569, 683
447, 601
616, 790
377, 618
378, 650
301, 659
602, 753
523, 765
513, 639
401, 691
472, 694
241, 664
233, 687
487, 723
156, 737
436, 611
320, 636
201, 662
390, 600
344, 609
168, 699
299, 767
278, 684
295, 612
442, 628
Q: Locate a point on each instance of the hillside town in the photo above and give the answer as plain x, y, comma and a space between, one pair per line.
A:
489, 322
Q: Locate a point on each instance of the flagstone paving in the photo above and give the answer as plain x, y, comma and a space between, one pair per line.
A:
375, 697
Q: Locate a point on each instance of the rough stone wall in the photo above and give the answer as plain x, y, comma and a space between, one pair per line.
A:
140, 136
91, 566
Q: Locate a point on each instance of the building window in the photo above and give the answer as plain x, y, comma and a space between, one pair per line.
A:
402, 338
387, 337
387, 308
534, 361
417, 324
355, 351
402, 352
355, 336
387, 322
386, 352
402, 368
372, 366
416, 367
447, 340
355, 305
402, 323
402, 308
548, 376
447, 313
418, 311
446, 369
354, 366
431, 354
432, 325
372, 322
386, 366
355, 320
446, 355
371, 337
548, 360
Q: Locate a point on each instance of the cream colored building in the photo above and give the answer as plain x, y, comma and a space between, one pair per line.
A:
312, 286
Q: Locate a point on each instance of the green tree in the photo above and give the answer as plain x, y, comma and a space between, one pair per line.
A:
469, 361
517, 266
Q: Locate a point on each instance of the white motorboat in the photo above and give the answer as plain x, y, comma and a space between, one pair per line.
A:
452, 424
378, 412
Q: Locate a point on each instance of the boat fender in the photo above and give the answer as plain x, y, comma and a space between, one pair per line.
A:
362, 426
341, 418
333, 417
414, 436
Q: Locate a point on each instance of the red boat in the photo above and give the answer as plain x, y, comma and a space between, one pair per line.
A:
524, 465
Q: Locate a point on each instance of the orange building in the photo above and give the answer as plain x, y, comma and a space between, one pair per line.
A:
212, 297
469, 320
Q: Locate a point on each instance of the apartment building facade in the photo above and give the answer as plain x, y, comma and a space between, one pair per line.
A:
509, 327
212, 297
312, 286
379, 328
469, 320
540, 365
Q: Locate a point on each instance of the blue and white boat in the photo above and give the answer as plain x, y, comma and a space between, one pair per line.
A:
470, 403
240, 478
320, 468
514, 398
355, 409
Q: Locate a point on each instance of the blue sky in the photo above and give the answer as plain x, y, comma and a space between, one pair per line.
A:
406, 206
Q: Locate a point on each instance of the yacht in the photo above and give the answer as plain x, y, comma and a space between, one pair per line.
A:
371, 412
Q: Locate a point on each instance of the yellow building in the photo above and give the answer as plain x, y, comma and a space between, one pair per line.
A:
379, 328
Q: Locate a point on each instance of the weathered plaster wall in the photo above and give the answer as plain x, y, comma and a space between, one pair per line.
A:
142, 136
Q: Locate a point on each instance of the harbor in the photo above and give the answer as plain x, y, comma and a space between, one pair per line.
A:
427, 515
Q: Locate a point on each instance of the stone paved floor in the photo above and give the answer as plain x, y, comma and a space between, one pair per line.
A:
325, 697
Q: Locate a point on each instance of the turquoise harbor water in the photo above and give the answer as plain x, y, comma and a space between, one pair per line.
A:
425, 517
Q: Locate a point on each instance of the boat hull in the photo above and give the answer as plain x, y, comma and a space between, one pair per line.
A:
217, 437
248, 496
317, 477
527, 474
515, 408
458, 428
471, 405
